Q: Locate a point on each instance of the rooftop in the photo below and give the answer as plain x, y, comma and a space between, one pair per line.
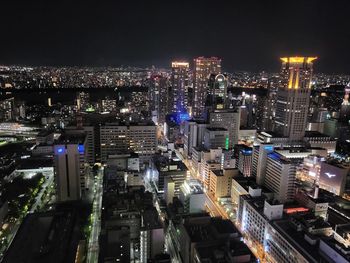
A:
39, 238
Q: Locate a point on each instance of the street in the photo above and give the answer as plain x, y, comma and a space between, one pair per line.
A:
93, 245
215, 209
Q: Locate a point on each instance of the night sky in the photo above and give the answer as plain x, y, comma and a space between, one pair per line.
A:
247, 35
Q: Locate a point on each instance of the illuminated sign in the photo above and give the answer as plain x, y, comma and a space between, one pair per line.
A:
181, 117
60, 150
226, 143
330, 175
81, 148
268, 148
295, 210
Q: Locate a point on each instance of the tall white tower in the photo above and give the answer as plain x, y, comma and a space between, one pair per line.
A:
293, 96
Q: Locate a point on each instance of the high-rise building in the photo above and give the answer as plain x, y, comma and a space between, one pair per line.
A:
217, 91
158, 98
228, 119
179, 86
344, 113
69, 160
108, 105
281, 167
245, 161
260, 153
220, 182
193, 135
192, 196
83, 100
293, 95
151, 235
216, 138
203, 68
116, 138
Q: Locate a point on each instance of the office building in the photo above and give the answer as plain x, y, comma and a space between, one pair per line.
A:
159, 98
108, 105
245, 161
193, 135
179, 86
217, 92
281, 170
83, 101
199, 238
260, 153
333, 176
204, 161
203, 68
89, 132
344, 113
116, 138
69, 167
293, 95
165, 171
216, 138
192, 196
151, 236
220, 182
228, 119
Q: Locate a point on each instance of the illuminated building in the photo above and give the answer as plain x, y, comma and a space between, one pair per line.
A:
83, 101
203, 68
151, 235
195, 240
89, 131
243, 186
220, 182
316, 139
165, 171
260, 153
193, 135
344, 114
158, 98
333, 177
293, 95
280, 176
179, 86
283, 245
203, 161
108, 105
192, 196
217, 91
69, 160
228, 119
7, 109
216, 138
116, 138
310, 169
245, 161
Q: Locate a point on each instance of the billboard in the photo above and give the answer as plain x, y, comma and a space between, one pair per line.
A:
333, 178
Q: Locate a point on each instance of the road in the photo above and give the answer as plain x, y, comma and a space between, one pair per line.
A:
215, 209
93, 245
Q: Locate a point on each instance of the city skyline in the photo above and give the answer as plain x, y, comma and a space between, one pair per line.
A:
175, 132
247, 36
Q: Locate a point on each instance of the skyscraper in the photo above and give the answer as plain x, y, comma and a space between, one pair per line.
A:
158, 98
217, 91
179, 86
203, 67
69, 159
293, 95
